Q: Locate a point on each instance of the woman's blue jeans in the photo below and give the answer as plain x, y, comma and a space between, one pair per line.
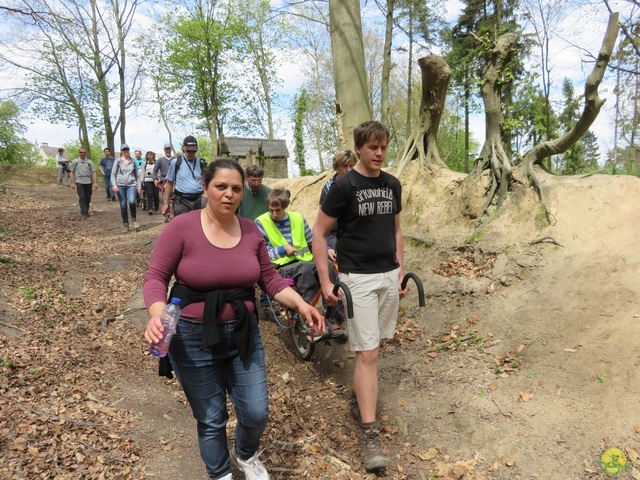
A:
127, 195
206, 376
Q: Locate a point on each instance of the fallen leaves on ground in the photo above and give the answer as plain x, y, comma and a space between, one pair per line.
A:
65, 343
467, 261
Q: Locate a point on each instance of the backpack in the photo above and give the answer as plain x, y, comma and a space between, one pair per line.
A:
203, 165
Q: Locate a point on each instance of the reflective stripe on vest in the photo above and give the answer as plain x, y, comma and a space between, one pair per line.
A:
276, 239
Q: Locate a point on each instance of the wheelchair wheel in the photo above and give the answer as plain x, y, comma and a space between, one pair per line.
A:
303, 347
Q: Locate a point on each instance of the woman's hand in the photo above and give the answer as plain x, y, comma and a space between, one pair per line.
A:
115, 188
290, 298
154, 331
313, 317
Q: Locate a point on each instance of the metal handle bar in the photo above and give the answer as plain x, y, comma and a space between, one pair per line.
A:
418, 283
347, 296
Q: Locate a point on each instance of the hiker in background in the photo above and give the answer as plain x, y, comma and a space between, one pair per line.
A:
147, 183
160, 171
62, 165
217, 257
138, 159
343, 162
83, 177
254, 199
125, 179
106, 165
184, 180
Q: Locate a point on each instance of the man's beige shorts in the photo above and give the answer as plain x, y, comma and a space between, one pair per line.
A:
375, 308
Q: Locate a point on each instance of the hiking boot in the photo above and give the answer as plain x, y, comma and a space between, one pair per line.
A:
373, 457
252, 468
136, 225
125, 228
150, 212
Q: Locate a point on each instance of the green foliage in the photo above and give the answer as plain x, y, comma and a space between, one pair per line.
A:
627, 88
201, 38
14, 148
527, 123
583, 156
451, 142
623, 161
259, 34
311, 39
204, 147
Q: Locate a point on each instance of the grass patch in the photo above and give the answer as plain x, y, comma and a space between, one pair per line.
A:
27, 175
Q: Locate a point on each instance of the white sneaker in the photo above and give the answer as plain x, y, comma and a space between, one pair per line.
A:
227, 477
136, 225
252, 468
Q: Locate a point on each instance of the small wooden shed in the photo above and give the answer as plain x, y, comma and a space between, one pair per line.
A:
272, 155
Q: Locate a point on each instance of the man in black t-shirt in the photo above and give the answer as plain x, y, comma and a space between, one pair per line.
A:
366, 203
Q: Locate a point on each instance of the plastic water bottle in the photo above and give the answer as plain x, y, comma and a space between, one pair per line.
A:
169, 318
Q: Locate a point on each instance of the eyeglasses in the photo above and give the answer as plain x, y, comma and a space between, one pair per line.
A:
82, 152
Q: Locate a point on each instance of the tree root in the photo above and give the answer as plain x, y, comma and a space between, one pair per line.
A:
547, 239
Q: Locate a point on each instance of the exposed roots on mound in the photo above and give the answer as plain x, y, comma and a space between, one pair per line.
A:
496, 160
422, 144
418, 147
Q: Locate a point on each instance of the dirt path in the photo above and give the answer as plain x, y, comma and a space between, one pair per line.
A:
523, 365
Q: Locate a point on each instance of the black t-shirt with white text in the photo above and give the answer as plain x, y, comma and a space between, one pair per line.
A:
366, 209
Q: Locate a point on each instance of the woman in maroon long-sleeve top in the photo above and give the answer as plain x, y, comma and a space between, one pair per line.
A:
217, 257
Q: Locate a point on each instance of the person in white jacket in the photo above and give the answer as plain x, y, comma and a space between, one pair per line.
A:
148, 185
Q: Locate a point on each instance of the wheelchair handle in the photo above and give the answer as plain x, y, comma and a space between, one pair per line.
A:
418, 283
346, 293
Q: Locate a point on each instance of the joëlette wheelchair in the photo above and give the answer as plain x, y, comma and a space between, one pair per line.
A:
304, 338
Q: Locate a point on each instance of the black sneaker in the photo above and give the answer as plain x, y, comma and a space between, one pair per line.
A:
373, 457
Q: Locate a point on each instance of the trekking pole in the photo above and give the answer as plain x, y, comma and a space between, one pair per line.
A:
346, 293
418, 283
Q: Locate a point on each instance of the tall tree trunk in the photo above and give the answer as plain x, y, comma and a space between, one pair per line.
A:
422, 145
410, 69
493, 155
349, 66
386, 64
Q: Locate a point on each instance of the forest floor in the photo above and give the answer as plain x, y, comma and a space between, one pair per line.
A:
524, 363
